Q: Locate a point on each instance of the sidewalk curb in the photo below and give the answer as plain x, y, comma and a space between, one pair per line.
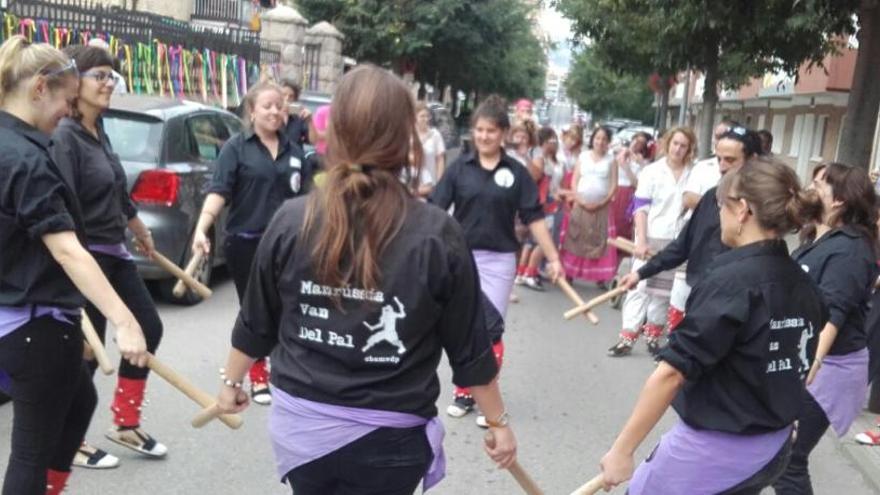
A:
865, 458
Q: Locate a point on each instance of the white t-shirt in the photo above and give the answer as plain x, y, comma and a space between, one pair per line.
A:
659, 194
592, 184
704, 176
432, 148
425, 177
623, 178
568, 160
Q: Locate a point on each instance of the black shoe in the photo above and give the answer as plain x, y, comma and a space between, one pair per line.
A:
623, 347
653, 345
461, 406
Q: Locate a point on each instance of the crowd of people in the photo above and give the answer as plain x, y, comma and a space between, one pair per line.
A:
406, 257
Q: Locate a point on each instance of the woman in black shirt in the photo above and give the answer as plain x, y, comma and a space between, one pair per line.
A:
734, 368
256, 171
44, 274
356, 292
842, 260
83, 153
488, 189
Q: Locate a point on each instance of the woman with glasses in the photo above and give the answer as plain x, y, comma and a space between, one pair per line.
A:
44, 274
734, 369
842, 260
83, 153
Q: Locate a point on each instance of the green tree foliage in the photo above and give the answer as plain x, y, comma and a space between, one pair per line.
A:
728, 42
606, 93
473, 45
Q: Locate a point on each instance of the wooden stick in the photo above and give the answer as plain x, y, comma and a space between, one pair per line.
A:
95, 343
197, 395
206, 415
519, 474
611, 294
166, 264
590, 487
576, 298
625, 244
194, 263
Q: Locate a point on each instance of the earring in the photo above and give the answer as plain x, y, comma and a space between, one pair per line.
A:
739, 231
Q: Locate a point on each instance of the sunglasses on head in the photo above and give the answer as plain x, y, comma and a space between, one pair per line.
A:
69, 67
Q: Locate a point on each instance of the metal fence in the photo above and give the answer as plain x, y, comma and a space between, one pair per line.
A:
143, 27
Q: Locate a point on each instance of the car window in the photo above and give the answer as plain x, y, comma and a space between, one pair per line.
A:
133, 139
205, 136
233, 124
222, 131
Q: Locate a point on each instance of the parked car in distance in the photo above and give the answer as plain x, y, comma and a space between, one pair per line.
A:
168, 149
625, 135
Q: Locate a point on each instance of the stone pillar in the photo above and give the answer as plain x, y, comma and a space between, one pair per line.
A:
285, 30
330, 63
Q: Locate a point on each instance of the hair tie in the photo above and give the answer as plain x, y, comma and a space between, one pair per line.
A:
354, 167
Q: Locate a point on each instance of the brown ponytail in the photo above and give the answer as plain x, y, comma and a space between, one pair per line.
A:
361, 205
773, 193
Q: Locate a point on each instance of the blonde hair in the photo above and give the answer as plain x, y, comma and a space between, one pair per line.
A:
250, 100
688, 133
21, 60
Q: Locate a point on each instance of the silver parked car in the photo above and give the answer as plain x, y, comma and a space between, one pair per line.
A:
168, 149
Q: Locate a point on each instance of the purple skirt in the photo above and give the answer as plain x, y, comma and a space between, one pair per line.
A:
497, 271
699, 462
840, 388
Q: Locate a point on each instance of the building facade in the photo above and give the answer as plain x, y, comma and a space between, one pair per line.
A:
804, 114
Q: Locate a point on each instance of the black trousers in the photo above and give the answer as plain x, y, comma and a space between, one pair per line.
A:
388, 461
126, 281
53, 399
812, 424
240, 253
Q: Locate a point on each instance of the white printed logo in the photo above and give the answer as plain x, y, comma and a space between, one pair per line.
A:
295, 182
805, 268
295, 163
388, 325
504, 178
806, 335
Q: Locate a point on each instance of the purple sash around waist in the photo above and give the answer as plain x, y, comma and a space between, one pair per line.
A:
840, 388
703, 462
304, 430
116, 250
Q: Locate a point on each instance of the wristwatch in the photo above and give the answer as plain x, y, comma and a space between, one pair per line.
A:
501, 422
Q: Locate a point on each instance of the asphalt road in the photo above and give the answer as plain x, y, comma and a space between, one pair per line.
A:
566, 398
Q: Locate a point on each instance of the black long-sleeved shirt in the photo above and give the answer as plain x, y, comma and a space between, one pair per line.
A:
698, 243
381, 349
747, 341
844, 265
254, 184
35, 200
98, 179
487, 201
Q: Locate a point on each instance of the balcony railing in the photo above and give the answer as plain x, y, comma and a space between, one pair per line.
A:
226, 11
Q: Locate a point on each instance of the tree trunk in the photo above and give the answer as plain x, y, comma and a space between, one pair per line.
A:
860, 121
423, 90
664, 103
710, 101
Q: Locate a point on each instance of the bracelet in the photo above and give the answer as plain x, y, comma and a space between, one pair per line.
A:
501, 422
228, 382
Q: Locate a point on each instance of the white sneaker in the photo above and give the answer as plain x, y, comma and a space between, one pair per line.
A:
94, 458
481, 421
137, 440
261, 395
519, 280
460, 407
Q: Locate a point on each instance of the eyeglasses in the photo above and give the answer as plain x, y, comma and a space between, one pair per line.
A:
101, 76
69, 67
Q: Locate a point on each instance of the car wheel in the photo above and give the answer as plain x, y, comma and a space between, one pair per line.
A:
203, 275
